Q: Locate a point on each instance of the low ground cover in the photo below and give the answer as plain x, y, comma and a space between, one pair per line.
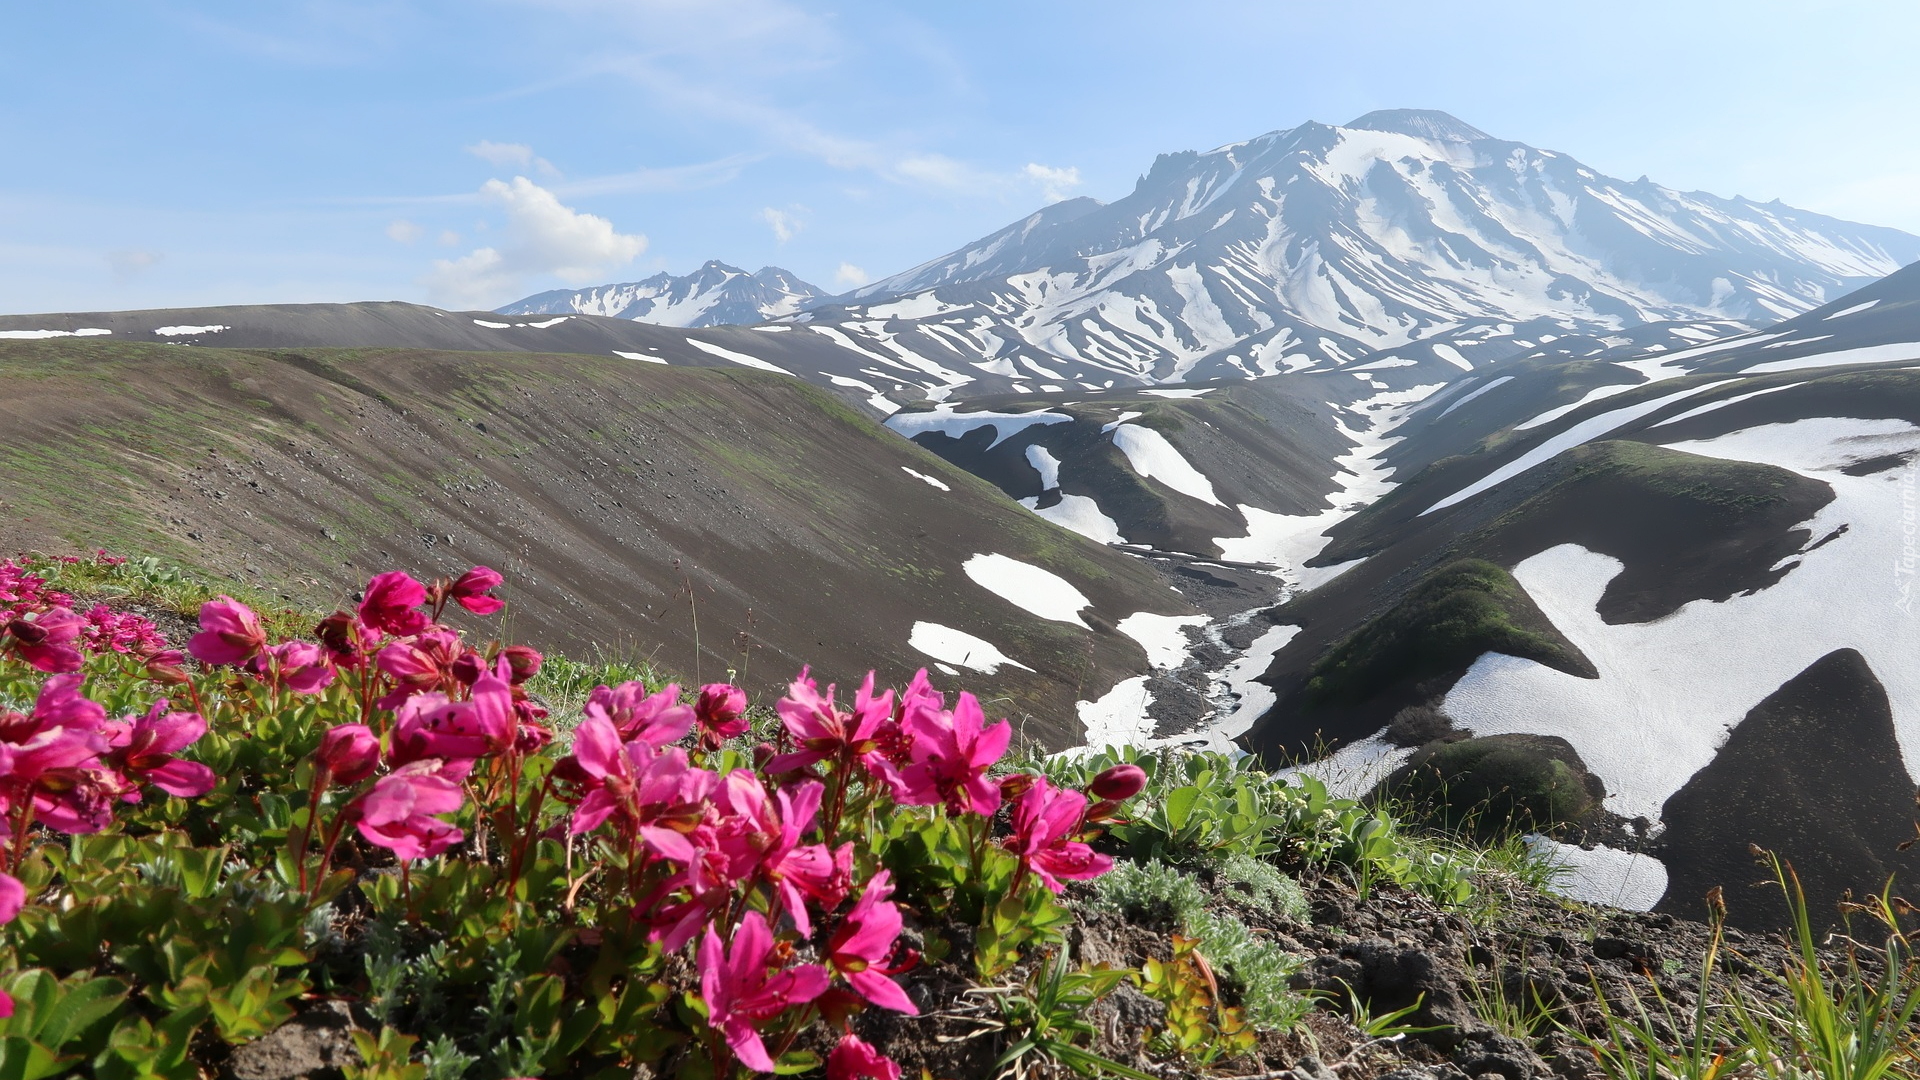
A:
373, 846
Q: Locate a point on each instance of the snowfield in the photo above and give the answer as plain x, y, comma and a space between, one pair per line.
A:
1029, 588
1671, 690
959, 648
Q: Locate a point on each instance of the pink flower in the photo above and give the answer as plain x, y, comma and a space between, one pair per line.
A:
60, 704
391, 604
398, 812
345, 639
430, 727
741, 993
951, 752
763, 835
865, 942
58, 770
657, 795
853, 1059
658, 720
299, 666
13, 897
430, 661
144, 749
230, 633
722, 711
822, 731
1044, 822
45, 640
349, 753
471, 589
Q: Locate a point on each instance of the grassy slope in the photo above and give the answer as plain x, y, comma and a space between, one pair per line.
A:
622, 500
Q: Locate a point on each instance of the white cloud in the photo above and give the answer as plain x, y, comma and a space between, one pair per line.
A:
403, 231
783, 223
449, 238
1054, 183
850, 275
542, 237
511, 155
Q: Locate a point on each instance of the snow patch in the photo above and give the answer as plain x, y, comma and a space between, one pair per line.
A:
928, 479
1844, 312
737, 357
1046, 465
955, 424
39, 335
1180, 393
1596, 394
188, 331
1871, 354
1162, 636
1119, 717
1621, 879
959, 648
1081, 514
639, 356
1151, 455
1670, 691
1585, 431
1028, 587
1497, 382
1354, 769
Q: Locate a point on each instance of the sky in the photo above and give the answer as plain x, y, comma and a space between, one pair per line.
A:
467, 153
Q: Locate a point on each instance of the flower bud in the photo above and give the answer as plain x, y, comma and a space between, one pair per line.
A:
1118, 784
763, 754
168, 667
523, 661
344, 638
349, 752
471, 590
1012, 787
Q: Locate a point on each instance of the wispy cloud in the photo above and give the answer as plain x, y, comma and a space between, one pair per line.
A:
1054, 183
850, 276
543, 236
512, 156
784, 223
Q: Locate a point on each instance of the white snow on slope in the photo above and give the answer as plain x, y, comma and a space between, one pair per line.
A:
959, 648
1501, 381
1289, 540
1162, 636
1583, 432
39, 335
941, 484
1354, 769
1670, 691
1621, 879
639, 356
1871, 354
1028, 587
1713, 406
1844, 312
1662, 367
188, 331
1119, 717
1151, 455
1046, 465
955, 424
1079, 513
1179, 393
1596, 394
737, 357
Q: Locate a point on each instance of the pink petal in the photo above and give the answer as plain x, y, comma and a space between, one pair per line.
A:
882, 991
183, 779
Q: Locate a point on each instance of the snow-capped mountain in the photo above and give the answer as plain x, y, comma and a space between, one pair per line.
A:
1317, 246
714, 295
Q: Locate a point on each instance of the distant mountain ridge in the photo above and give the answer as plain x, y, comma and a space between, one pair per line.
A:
714, 295
1317, 245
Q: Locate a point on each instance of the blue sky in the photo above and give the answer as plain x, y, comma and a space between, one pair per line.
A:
469, 152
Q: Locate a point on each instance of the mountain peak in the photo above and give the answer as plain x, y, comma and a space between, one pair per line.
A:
1421, 124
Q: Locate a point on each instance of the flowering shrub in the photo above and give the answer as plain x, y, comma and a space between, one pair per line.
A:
383, 815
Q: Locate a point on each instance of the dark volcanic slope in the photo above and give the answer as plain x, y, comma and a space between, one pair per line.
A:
620, 498
1814, 773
